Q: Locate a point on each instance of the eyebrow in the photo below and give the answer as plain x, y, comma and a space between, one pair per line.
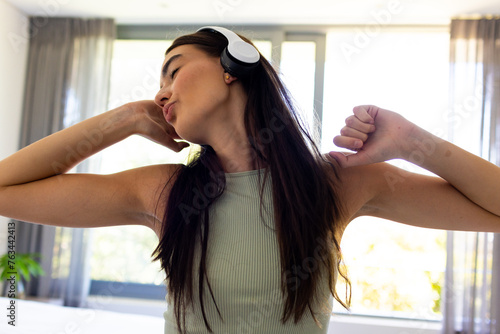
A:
164, 70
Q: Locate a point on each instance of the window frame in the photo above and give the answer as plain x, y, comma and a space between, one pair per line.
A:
276, 35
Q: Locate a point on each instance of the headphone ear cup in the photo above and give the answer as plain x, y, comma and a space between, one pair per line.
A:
234, 66
239, 58
243, 52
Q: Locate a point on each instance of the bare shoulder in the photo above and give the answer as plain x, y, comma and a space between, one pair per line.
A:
356, 186
152, 184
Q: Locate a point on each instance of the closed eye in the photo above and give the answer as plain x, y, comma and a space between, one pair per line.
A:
174, 72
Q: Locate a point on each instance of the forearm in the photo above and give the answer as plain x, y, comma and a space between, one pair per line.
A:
61, 151
476, 178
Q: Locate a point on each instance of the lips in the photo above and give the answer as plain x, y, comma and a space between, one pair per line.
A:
167, 111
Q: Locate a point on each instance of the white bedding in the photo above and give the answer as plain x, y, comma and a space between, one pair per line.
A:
42, 318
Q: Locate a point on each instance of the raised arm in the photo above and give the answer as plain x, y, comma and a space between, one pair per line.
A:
465, 197
34, 185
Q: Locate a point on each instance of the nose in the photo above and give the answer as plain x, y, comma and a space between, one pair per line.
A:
162, 96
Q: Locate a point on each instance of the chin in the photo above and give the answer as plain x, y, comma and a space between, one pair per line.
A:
192, 132
190, 137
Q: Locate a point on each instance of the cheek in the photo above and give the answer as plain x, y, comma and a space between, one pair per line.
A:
205, 76
204, 90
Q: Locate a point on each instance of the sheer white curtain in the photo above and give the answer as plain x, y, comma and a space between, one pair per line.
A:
68, 80
472, 288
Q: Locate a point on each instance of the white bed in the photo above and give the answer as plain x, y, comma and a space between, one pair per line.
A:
42, 318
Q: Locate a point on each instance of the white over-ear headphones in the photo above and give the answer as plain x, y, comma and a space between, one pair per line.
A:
239, 57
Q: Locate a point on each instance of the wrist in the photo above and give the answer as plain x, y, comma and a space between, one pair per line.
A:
422, 148
121, 121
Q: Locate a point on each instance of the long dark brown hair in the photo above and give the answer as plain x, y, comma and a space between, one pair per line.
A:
307, 210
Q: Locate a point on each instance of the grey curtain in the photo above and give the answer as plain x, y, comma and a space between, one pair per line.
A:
472, 287
67, 81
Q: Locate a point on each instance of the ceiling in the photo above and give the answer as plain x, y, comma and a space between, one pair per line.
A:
264, 12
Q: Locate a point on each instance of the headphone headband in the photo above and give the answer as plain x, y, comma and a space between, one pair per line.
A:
239, 57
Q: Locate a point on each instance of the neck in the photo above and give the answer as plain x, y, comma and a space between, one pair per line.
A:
234, 151
229, 138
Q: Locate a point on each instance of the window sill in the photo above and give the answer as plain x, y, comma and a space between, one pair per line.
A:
127, 305
353, 324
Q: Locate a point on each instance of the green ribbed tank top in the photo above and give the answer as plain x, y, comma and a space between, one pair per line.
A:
243, 267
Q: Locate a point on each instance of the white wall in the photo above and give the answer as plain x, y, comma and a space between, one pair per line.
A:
13, 57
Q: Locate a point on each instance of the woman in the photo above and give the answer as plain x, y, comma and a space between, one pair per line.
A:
250, 230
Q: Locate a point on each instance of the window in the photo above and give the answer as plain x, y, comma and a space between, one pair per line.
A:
298, 68
396, 270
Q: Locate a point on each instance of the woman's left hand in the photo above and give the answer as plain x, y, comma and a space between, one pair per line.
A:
375, 134
464, 197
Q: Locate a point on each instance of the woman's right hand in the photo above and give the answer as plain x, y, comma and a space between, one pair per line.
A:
150, 123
